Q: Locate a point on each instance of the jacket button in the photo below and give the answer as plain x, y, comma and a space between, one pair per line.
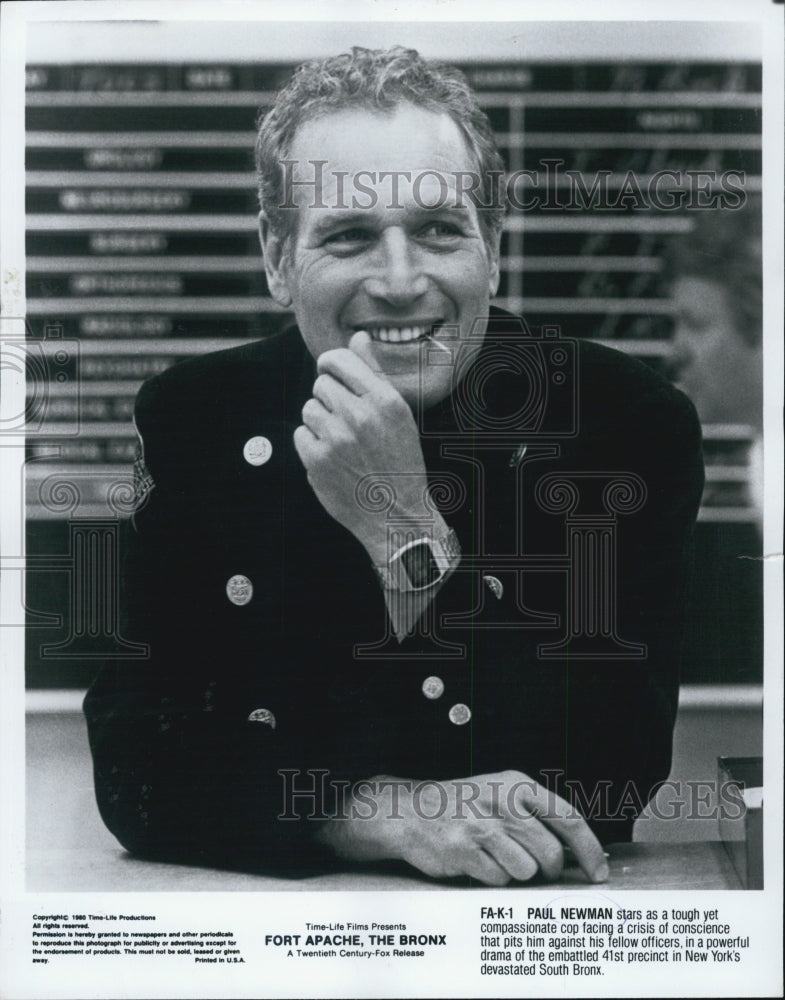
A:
239, 589
433, 687
460, 714
262, 715
495, 585
257, 450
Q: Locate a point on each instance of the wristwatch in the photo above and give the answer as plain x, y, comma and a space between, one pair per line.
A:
421, 563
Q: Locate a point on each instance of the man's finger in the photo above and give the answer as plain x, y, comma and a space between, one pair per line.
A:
334, 395
362, 345
306, 444
539, 843
513, 857
350, 370
315, 415
565, 822
484, 868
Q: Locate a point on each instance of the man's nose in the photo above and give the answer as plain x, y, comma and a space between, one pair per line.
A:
399, 276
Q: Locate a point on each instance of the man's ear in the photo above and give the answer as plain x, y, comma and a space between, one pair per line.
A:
276, 261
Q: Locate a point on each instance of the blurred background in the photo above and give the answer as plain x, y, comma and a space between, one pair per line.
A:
142, 250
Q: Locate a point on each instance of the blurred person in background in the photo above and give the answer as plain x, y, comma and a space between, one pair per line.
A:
714, 275
715, 278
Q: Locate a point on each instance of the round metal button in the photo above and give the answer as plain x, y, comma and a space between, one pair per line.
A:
257, 450
460, 714
433, 687
495, 585
262, 715
239, 589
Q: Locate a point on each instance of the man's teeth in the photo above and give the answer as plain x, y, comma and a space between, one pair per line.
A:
399, 334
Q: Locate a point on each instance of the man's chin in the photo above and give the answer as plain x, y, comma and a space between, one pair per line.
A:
422, 389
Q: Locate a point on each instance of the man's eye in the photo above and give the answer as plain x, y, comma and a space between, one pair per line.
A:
355, 235
440, 230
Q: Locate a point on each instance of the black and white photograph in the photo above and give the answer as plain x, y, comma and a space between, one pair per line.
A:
391, 500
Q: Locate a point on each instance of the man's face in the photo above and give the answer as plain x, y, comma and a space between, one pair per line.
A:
386, 262
713, 364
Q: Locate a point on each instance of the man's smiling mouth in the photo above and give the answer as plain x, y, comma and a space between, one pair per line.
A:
399, 334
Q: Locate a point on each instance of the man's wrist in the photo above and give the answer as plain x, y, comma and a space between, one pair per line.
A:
419, 561
371, 828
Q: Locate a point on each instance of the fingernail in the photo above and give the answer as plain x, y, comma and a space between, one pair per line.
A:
601, 872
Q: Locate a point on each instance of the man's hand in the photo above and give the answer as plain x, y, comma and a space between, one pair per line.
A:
357, 424
495, 828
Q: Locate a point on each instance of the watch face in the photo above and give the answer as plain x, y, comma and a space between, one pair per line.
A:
420, 565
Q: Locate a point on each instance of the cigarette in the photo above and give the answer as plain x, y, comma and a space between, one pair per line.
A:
438, 343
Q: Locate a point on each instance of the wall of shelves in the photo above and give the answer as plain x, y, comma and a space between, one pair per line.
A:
141, 204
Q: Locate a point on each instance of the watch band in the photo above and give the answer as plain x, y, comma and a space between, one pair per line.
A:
421, 563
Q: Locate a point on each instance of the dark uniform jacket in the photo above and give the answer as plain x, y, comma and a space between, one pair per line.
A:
555, 645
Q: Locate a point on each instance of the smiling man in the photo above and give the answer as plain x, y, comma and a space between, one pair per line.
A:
368, 637
372, 287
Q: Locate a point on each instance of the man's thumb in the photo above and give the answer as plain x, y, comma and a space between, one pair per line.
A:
362, 345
